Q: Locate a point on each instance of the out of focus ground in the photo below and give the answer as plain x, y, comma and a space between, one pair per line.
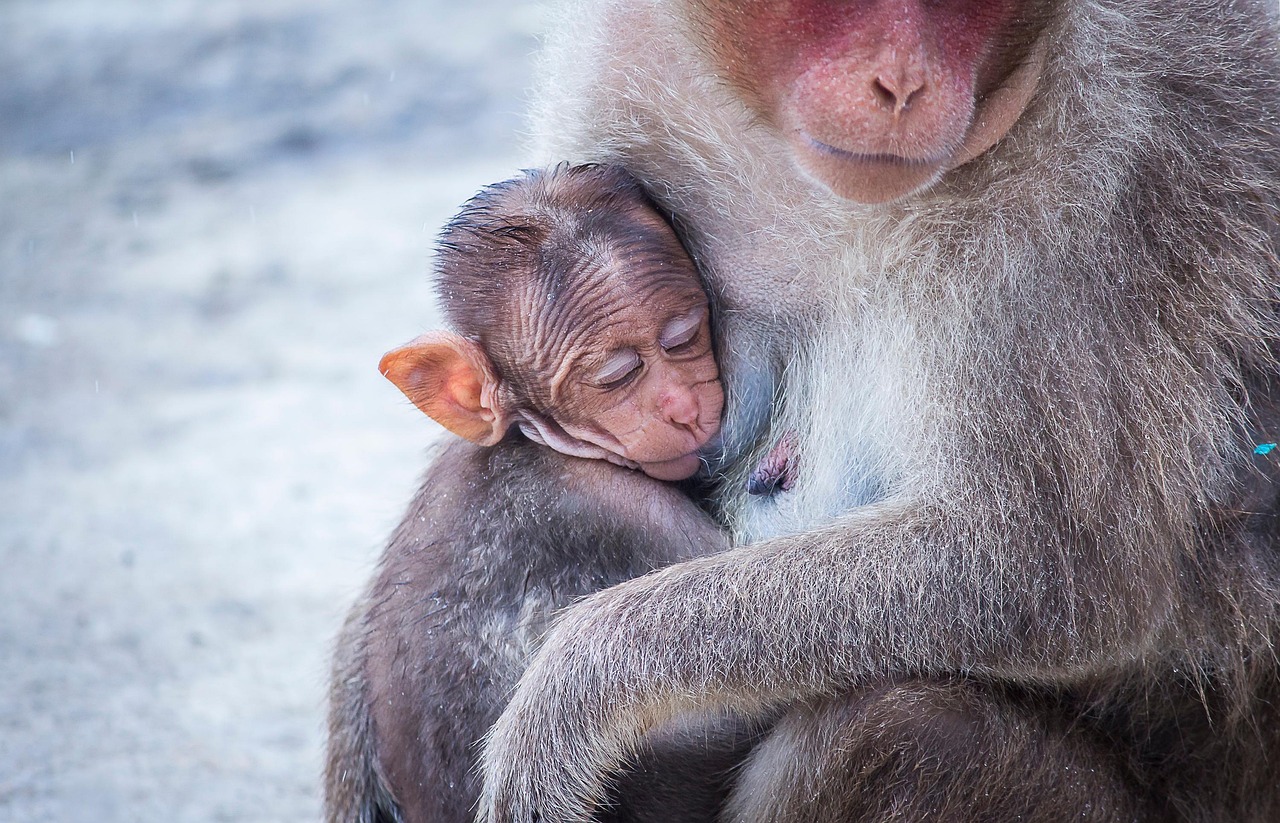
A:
214, 218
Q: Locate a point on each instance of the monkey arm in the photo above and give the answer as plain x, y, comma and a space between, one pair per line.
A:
891, 589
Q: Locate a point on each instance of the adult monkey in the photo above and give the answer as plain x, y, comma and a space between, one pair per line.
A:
1009, 269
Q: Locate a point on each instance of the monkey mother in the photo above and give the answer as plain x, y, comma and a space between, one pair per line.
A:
1008, 268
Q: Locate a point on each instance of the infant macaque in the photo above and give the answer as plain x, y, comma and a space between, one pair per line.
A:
580, 318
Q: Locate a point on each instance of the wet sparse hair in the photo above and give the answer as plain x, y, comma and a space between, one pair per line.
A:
523, 243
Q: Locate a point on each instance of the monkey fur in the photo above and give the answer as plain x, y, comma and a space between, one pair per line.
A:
575, 309
463, 594
1030, 569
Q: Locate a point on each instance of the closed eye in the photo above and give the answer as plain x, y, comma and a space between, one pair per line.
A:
619, 370
681, 333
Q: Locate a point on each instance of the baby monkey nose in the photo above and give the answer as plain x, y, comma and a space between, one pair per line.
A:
680, 406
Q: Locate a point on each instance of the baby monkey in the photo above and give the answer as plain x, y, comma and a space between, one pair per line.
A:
578, 319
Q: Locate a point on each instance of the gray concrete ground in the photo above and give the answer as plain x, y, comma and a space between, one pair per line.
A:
214, 218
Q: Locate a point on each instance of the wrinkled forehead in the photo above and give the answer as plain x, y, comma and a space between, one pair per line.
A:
614, 304
603, 279
627, 254
614, 294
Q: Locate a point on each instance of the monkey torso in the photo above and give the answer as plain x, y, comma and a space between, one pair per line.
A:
496, 541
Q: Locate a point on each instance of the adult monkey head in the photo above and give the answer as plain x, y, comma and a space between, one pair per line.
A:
877, 99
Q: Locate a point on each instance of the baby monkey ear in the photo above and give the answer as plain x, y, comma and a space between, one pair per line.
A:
451, 379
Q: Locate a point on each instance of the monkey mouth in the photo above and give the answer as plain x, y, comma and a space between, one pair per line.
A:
865, 177
682, 462
679, 468
691, 445
869, 158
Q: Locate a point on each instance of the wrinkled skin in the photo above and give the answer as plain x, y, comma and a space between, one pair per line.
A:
1027, 344
607, 355
645, 385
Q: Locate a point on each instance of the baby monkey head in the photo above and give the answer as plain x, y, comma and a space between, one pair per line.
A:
579, 317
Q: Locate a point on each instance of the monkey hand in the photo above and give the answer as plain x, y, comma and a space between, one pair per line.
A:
587, 699
545, 757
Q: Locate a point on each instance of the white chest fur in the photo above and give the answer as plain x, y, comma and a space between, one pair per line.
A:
865, 418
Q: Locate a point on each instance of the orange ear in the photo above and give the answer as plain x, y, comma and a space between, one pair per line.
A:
450, 378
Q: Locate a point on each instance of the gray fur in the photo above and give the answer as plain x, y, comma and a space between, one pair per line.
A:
1026, 399
494, 542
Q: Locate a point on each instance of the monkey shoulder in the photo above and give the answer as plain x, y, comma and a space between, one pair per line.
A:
487, 521
597, 504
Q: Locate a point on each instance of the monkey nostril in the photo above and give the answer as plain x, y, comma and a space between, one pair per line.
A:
895, 93
884, 95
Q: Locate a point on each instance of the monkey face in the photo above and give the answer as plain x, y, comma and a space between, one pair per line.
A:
646, 387
876, 99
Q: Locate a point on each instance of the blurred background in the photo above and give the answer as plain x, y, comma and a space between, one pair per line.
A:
215, 217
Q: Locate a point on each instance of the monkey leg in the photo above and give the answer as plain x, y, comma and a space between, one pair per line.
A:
946, 751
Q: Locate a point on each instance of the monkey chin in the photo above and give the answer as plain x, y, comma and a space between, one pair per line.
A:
681, 468
864, 178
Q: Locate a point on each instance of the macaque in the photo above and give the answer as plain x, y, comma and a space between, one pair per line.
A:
1008, 270
580, 321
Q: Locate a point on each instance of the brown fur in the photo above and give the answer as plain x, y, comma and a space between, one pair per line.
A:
1027, 400
495, 541
1031, 566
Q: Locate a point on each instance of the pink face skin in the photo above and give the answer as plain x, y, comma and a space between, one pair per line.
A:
643, 383
877, 98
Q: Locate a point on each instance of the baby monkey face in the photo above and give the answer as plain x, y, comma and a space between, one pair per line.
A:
642, 381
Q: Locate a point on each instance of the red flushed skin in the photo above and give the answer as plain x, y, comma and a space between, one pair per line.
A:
876, 98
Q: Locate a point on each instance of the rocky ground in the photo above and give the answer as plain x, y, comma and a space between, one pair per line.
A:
214, 218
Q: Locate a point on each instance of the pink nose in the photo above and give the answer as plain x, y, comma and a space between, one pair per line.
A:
679, 406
